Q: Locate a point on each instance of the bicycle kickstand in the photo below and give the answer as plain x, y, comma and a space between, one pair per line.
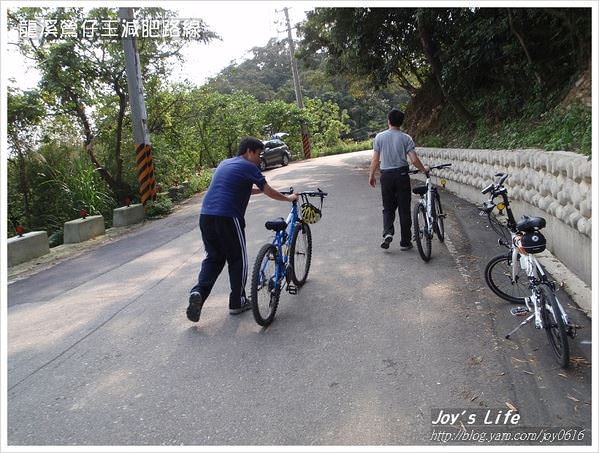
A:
523, 323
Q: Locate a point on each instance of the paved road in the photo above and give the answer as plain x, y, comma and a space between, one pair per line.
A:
100, 351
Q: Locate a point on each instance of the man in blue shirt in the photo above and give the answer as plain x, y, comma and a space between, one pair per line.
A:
222, 223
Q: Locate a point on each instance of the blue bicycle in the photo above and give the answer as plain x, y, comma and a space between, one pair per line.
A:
285, 262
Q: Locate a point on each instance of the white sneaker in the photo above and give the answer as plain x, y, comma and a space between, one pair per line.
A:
386, 241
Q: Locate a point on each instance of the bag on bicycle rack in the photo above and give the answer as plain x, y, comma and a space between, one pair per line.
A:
532, 242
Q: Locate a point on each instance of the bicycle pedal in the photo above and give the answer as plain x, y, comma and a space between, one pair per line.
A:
292, 289
519, 311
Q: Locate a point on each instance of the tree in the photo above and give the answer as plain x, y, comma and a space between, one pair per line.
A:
25, 113
267, 77
425, 19
495, 58
378, 44
85, 78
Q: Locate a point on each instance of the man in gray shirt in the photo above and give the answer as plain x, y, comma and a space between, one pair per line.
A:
391, 151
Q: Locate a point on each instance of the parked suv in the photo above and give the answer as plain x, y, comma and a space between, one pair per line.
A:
275, 151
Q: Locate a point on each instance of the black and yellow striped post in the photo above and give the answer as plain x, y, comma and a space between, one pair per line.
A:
306, 142
145, 173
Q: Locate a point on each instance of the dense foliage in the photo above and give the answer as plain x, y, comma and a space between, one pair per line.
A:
468, 77
473, 66
267, 76
70, 144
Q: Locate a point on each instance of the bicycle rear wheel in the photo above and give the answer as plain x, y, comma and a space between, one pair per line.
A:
300, 254
265, 290
554, 326
439, 225
498, 275
423, 240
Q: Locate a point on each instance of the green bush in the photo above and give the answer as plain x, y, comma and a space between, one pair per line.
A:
200, 182
431, 141
56, 238
160, 207
561, 128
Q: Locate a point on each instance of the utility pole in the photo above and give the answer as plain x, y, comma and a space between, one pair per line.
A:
296, 84
139, 117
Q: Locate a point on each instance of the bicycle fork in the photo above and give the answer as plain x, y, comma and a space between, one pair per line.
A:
430, 216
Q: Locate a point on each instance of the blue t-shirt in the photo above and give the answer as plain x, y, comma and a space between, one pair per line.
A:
231, 187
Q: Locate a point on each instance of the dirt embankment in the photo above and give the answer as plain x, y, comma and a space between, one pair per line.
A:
423, 111
581, 90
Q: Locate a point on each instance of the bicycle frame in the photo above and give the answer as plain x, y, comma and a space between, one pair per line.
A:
282, 241
536, 276
427, 199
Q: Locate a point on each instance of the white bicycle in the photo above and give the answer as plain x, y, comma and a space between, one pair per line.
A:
518, 277
428, 215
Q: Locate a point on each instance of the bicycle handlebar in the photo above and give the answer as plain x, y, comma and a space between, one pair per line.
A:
496, 186
434, 167
318, 193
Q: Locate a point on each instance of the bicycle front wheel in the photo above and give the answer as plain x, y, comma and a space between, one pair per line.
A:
300, 253
439, 225
265, 289
554, 325
423, 239
498, 275
500, 229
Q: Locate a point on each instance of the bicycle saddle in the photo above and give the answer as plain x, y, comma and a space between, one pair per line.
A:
278, 224
420, 190
528, 224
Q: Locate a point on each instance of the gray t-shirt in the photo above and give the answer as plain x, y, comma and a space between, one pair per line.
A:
393, 147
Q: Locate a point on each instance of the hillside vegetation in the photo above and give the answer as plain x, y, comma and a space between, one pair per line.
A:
477, 77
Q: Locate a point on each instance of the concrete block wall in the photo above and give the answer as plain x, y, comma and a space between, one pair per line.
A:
555, 185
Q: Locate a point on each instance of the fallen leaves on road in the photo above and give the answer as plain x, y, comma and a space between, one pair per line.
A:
519, 360
475, 360
511, 406
580, 361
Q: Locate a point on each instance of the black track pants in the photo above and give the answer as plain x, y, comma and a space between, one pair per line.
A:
397, 195
224, 241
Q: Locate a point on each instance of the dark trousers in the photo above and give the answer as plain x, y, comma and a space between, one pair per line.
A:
397, 195
224, 241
